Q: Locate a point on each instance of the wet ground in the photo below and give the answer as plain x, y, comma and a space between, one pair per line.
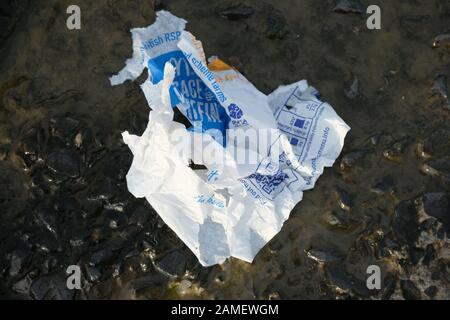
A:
63, 195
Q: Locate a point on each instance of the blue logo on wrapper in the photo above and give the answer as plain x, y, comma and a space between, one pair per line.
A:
188, 89
269, 183
236, 115
235, 111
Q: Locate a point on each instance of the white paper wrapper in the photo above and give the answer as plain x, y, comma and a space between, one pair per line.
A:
234, 207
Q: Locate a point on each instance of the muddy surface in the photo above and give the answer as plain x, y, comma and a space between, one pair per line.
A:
386, 201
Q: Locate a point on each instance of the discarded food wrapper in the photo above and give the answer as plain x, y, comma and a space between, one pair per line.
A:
259, 153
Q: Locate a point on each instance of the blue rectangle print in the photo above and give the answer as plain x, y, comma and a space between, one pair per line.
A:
294, 141
299, 123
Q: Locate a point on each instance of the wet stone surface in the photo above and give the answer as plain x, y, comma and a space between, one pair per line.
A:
385, 202
349, 6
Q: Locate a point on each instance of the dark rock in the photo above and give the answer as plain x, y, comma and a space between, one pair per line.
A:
18, 259
430, 255
436, 275
440, 89
435, 144
444, 9
442, 40
116, 219
416, 255
319, 255
101, 256
428, 224
173, 263
410, 290
391, 243
122, 161
114, 206
385, 186
440, 86
339, 220
94, 156
64, 161
439, 168
30, 147
10, 12
431, 291
158, 5
116, 270
154, 280
344, 281
440, 233
45, 241
276, 25
3, 152
140, 216
375, 139
7, 8
414, 19
343, 199
390, 283
396, 151
51, 287
132, 253
240, 11
12, 191
64, 128
405, 225
52, 143
45, 216
103, 190
23, 286
349, 160
92, 274
349, 6
445, 270
67, 205
48, 179
76, 243
353, 91
437, 205
367, 248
